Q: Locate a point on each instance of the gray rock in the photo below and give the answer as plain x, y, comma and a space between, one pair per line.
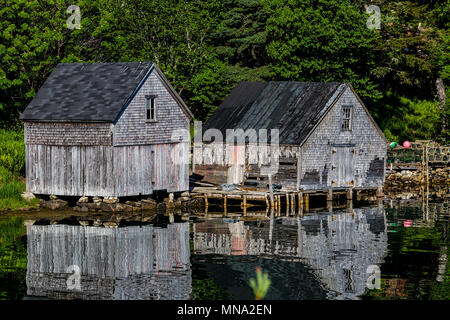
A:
107, 207
84, 222
28, 196
57, 204
122, 207
83, 200
29, 222
110, 224
53, 197
96, 199
110, 200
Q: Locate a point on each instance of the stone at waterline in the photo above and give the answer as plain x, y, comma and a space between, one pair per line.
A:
107, 207
29, 222
53, 197
96, 199
110, 200
28, 196
122, 207
110, 224
57, 204
83, 200
84, 222
94, 205
133, 203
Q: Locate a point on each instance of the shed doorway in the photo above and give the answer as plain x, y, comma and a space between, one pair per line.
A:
342, 166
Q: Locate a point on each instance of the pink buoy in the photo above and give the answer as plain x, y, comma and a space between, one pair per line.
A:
407, 144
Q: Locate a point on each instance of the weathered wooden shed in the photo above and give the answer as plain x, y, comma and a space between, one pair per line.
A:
106, 129
326, 136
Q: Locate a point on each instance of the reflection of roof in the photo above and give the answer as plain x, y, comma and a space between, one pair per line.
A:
338, 248
124, 263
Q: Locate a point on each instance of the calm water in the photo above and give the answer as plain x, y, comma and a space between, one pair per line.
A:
317, 256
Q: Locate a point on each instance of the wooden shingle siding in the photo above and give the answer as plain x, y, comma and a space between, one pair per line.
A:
107, 170
132, 128
369, 146
68, 133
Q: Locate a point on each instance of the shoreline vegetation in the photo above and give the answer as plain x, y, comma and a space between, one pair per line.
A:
12, 170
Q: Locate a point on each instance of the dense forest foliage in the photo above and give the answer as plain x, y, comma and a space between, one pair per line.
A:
401, 69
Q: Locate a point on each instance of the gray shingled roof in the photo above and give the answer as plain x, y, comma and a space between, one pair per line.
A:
292, 107
86, 91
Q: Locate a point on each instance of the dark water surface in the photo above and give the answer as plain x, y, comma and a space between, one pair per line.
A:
317, 256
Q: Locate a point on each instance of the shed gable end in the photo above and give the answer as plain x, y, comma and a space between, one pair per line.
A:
133, 127
363, 137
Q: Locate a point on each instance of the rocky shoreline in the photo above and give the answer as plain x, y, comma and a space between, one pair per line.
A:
113, 204
408, 184
403, 185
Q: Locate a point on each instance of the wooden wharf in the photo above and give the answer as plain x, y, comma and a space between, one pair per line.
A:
286, 200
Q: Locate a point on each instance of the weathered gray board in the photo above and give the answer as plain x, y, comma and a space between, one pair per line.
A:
107, 170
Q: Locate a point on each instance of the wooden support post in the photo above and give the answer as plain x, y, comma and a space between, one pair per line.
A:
300, 202
307, 202
330, 199
380, 193
267, 201
350, 194
358, 195
279, 205
287, 204
330, 206
206, 203
330, 194
271, 191
245, 204
292, 203
379, 202
350, 205
225, 204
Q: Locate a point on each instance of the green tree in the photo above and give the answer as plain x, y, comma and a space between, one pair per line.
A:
318, 40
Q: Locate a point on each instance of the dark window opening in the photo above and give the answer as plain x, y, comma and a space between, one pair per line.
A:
348, 285
346, 118
150, 108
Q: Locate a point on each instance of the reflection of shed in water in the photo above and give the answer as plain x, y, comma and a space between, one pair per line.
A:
336, 248
125, 263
